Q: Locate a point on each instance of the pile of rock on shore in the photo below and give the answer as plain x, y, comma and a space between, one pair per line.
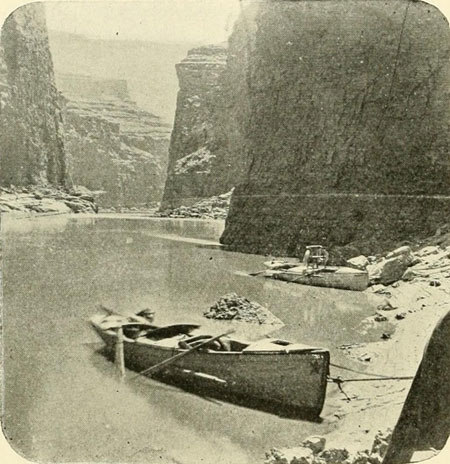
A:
45, 199
238, 308
209, 208
314, 451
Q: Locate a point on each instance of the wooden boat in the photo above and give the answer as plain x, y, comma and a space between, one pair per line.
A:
272, 370
328, 276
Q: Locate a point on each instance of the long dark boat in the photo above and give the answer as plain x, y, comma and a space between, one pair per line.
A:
272, 370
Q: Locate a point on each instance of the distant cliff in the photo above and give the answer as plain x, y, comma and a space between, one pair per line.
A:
112, 145
202, 162
31, 135
347, 143
146, 66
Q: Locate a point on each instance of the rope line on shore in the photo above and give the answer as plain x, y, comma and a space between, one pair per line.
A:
340, 380
379, 376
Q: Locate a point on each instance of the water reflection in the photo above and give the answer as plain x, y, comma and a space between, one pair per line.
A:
56, 270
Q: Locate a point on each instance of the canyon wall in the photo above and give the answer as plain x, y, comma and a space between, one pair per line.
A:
347, 140
31, 135
203, 159
112, 145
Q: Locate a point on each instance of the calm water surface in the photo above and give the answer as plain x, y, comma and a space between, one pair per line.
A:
63, 401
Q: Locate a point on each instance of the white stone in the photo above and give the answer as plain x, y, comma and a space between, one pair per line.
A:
315, 443
360, 262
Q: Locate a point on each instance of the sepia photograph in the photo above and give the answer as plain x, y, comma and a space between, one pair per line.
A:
225, 231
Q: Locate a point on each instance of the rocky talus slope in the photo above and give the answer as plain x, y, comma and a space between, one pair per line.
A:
113, 146
201, 161
347, 143
215, 207
26, 201
31, 132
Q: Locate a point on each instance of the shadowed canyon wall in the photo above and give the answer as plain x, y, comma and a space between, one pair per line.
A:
347, 140
31, 135
112, 145
204, 158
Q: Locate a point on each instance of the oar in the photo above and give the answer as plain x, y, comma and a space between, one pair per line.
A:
254, 274
136, 318
154, 368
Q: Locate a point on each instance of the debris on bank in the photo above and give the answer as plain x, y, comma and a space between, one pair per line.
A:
209, 208
49, 200
314, 451
238, 308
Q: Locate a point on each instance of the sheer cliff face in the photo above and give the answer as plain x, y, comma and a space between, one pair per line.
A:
202, 162
31, 137
347, 140
112, 145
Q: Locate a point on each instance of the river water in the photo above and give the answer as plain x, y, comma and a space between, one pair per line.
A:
63, 401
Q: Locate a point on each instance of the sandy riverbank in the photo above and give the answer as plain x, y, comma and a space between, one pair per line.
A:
411, 309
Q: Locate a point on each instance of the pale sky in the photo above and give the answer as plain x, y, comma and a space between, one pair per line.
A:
185, 21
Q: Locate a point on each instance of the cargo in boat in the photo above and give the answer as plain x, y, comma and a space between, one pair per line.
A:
269, 369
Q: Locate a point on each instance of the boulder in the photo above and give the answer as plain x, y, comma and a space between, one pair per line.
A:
390, 270
361, 457
334, 455
381, 442
299, 455
375, 459
403, 250
315, 443
380, 317
386, 306
428, 250
409, 274
359, 262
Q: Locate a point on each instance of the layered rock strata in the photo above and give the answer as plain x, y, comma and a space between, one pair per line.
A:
347, 143
112, 145
31, 133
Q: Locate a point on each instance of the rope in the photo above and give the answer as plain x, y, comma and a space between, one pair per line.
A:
357, 372
340, 380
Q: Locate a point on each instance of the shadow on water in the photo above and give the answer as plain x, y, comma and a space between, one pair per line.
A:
208, 390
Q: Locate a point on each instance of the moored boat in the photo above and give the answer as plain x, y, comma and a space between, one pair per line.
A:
272, 370
341, 277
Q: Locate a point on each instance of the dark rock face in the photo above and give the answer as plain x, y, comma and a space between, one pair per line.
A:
424, 422
112, 145
202, 162
347, 143
31, 136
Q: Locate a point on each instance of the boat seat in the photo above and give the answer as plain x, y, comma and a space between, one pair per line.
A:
222, 344
171, 342
277, 346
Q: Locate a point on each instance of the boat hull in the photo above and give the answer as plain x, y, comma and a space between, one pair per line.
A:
339, 277
295, 379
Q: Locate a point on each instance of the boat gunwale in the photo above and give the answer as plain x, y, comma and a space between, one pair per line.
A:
174, 349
